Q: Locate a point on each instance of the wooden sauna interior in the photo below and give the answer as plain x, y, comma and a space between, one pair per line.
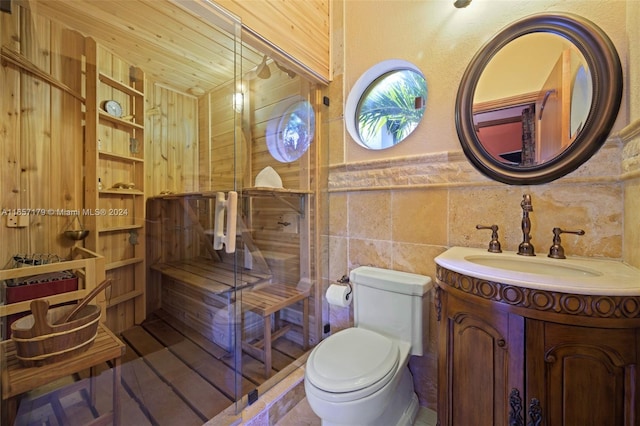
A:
145, 183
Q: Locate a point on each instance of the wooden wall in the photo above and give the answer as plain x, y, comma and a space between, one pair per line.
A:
220, 160
172, 145
218, 166
41, 131
189, 141
263, 99
299, 28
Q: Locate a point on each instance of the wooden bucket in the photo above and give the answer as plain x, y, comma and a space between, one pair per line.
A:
40, 341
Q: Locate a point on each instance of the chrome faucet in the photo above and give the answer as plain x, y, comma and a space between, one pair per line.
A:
526, 248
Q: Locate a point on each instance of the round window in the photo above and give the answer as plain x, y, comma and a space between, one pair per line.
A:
290, 133
386, 104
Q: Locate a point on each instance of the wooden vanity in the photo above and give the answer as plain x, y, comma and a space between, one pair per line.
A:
512, 355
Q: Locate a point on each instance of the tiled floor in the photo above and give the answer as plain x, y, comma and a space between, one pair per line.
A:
302, 415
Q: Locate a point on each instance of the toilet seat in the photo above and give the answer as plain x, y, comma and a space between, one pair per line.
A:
354, 362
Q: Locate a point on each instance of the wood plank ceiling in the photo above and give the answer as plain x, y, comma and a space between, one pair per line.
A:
173, 46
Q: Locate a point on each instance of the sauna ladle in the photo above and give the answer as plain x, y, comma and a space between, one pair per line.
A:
88, 298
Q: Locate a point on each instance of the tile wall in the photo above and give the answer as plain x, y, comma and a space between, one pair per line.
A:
399, 211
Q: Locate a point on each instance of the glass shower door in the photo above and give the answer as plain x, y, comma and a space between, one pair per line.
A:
221, 173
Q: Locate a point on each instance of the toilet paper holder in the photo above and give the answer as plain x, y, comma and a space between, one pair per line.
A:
345, 280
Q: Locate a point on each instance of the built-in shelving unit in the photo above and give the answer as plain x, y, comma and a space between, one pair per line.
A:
114, 180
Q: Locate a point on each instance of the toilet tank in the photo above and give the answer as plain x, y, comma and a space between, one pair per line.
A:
391, 303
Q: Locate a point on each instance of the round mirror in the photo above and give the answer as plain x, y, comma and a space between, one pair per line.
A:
539, 99
386, 104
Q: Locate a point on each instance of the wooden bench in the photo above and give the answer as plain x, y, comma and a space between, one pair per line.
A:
17, 380
267, 300
208, 288
199, 292
214, 277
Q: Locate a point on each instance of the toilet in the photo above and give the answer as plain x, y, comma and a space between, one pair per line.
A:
360, 375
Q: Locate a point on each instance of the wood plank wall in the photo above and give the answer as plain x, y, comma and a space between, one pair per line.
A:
171, 150
218, 125
40, 132
262, 99
300, 28
269, 96
189, 141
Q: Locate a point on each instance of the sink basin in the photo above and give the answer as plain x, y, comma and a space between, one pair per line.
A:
533, 266
578, 275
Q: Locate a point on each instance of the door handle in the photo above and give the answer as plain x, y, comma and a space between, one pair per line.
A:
225, 207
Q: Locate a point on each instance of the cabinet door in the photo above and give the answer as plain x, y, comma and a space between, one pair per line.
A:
481, 359
589, 375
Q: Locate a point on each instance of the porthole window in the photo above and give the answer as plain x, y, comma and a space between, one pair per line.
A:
386, 104
291, 130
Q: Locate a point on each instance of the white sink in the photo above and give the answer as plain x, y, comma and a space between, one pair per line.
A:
532, 265
578, 275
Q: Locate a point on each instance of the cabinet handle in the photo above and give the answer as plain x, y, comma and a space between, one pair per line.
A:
501, 343
515, 413
535, 413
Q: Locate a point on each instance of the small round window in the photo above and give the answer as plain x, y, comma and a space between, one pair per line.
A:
290, 132
386, 104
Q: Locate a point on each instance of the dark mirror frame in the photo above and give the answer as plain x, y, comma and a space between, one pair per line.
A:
604, 65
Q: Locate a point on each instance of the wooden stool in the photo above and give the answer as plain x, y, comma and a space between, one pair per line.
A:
268, 300
17, 380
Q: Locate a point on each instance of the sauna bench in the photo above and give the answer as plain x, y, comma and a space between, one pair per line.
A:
17, 380
267, 300
199, 291
209, 275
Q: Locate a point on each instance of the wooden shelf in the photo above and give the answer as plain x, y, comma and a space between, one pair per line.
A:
121, 192
119, 157
266, 191
119, 121
109, 159
120, 228
246, 192
119, 85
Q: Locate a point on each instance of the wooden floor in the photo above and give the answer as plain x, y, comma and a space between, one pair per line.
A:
170, 375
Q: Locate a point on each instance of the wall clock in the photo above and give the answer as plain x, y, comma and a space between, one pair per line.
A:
113, 108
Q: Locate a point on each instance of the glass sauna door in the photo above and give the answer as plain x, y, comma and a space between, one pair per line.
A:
157, 150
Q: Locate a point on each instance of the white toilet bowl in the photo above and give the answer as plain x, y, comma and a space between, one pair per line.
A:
360, 377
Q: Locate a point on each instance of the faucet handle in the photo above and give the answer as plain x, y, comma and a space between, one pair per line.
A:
556, 251
494, 244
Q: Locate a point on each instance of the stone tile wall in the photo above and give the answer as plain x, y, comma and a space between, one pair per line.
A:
401, 213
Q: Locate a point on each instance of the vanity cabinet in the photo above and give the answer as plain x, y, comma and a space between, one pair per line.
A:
584, 375
515, 356
481, 360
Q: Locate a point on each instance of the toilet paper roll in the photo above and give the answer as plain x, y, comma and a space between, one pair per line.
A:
339, 295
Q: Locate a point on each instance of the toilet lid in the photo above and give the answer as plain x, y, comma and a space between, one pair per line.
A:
351, 360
